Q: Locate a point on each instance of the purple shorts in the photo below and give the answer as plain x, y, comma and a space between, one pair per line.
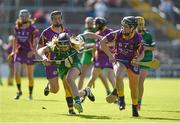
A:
134, 68
102, 64
51, 71
101, 60
21, 57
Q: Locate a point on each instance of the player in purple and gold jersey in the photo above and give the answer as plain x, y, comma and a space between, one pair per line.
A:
128, 45
56, 28
100, 60
24, 48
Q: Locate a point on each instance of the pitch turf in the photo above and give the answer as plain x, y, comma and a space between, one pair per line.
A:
161, 103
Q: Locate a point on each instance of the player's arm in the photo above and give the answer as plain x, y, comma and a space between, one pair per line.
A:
41, 41
150, 48
151, 44
139, 53
41, 52
14, 47
105, 48
92, 35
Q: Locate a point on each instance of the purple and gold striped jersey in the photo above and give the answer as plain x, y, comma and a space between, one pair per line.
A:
25, 37
47, 35
126, 49
101, 59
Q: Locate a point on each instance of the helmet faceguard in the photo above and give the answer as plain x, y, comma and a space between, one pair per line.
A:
24, 16
63, 44
129, 24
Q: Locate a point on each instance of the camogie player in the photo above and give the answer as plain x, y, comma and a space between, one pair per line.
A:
128, 45
86, 58
149, 47
57, 27
8, 49
69, 67
100, 59
24, 48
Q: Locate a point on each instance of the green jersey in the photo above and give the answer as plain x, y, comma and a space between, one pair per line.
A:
147, 41
87, 55
69, 59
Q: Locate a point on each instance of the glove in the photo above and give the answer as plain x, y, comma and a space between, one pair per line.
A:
68, 62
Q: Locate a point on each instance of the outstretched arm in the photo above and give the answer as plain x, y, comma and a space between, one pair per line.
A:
92, 35
41, 52
105, 48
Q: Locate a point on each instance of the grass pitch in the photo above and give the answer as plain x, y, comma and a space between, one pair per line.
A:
161, 103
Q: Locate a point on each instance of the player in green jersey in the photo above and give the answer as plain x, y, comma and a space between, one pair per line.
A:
149, 47
86, 58
69, 66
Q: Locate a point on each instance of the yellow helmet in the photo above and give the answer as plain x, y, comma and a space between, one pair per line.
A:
140, 21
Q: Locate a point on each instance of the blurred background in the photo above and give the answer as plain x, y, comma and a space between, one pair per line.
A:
162, 20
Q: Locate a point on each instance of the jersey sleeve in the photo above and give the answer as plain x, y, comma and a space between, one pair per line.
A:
51, 46
111, 36
139, 45
42, 40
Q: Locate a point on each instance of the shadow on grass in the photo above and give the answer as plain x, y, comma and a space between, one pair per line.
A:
89, 116
48, 100
164, 111
160, 118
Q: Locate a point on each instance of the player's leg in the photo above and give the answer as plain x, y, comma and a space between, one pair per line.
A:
105, 82
17, 71
1, 83
133, 85
52, 76
82, 76
68, 96
111, 76
86, 92
11, 74
118, 92
71, 76
120, 73
30, 71
143, 75
95, 72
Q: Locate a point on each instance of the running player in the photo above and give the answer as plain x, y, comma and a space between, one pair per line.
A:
149, 47
101, 61
24, 48
69, 68
128, 45
86, 58
57, 27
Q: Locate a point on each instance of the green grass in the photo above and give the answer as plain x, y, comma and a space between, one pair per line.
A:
161, 103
